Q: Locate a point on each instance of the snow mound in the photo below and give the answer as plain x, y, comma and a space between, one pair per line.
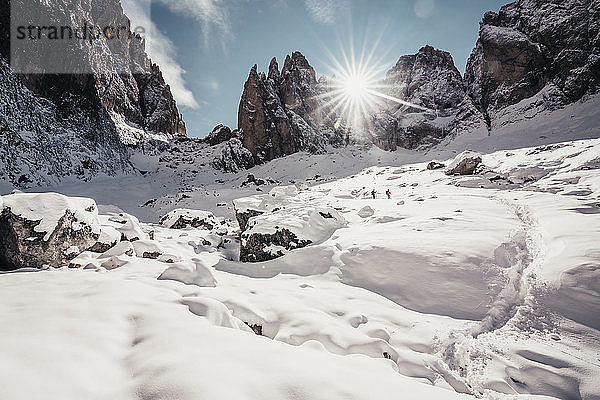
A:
128, 225
192, 272
123, 248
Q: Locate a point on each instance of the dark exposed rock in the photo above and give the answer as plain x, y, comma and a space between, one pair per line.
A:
234, 157
428, 78
435, 165
254, 244
265, 126
530, 43
183, 218
256, 328
251, 179
109, 237
219, 134
23, 242
242, 217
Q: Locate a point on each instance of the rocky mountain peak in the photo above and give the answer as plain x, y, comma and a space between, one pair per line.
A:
297, 61
262, 120
274, 70
530, 44
428, 78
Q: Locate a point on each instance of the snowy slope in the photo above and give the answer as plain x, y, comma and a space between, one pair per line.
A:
484, 285
183, 176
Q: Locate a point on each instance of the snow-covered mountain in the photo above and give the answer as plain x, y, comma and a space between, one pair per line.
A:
64, 126
270, 261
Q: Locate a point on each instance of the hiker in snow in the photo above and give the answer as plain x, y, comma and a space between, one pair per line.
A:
388, 193
373, 193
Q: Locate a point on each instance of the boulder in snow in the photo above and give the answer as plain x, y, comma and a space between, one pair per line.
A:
464, 164
271, 235
128, 225
246, 208
109, 237
366, 212
435, 165
147, 249
182, 218
45, 228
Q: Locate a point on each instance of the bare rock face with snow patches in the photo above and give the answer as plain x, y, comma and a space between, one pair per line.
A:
428, 79
49, 228
282, 113
531, 44
76, 125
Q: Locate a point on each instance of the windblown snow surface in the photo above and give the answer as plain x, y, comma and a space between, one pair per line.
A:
481, 286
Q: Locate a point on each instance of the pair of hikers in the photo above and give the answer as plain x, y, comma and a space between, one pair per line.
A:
387, 193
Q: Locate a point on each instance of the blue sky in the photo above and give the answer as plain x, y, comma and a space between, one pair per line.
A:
207, 47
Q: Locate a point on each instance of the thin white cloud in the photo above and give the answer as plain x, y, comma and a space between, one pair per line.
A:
212, 15
424, 8
161, 50
326, 11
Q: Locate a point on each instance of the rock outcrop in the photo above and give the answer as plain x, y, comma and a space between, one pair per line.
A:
45, 229
265, 126
258, 247
283, 112
220, 134
234, 157
275, 223
529, 44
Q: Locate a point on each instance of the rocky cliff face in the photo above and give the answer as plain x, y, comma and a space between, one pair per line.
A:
283, 112
266, 127
428, 79
77, 125
530, 44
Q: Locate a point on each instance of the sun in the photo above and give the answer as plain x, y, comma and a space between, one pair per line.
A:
357, 90
355, 87
354, 91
